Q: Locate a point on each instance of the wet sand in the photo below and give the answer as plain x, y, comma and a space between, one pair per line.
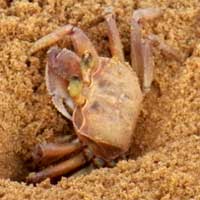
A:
165, 161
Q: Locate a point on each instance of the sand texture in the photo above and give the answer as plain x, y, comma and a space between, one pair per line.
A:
166, 149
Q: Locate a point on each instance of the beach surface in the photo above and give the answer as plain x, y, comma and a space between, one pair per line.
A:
166, 145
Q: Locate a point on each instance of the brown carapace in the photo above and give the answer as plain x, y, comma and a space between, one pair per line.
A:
101, 96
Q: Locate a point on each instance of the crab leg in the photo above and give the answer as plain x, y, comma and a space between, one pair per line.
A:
64, 167
168, 51
85, 49
83, 171
138, 59
113, 34
59, 169
46, 153
148, 66
136, 50
141, 50
81, 44
80, 41
51, 38
146, 14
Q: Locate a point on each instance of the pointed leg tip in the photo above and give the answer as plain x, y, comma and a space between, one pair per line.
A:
146, 13
32, 178
146, 90
37, 154
108, 10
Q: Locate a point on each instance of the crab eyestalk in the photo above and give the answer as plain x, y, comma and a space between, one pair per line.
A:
75, 89
87, 63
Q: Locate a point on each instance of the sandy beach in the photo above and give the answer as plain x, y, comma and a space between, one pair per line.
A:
166, 147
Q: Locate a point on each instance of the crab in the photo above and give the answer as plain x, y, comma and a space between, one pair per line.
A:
101, 96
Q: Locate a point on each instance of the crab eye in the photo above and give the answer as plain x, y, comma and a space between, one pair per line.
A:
75, 86
74, 89
87, 61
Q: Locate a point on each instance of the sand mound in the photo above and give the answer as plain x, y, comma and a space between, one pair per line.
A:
166, 149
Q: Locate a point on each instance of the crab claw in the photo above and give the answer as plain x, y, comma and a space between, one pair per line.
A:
61, 65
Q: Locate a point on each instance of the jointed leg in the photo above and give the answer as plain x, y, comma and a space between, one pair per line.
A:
51, 39
142, 61
148, 66
80, 41
146, 14
83, 45
59, 169
113, 34
47, 153
167, 50
136, 50
141, 57
74, 162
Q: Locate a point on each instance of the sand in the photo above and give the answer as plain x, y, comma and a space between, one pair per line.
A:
166, 148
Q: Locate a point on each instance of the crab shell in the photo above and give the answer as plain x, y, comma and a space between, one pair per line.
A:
113, 100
